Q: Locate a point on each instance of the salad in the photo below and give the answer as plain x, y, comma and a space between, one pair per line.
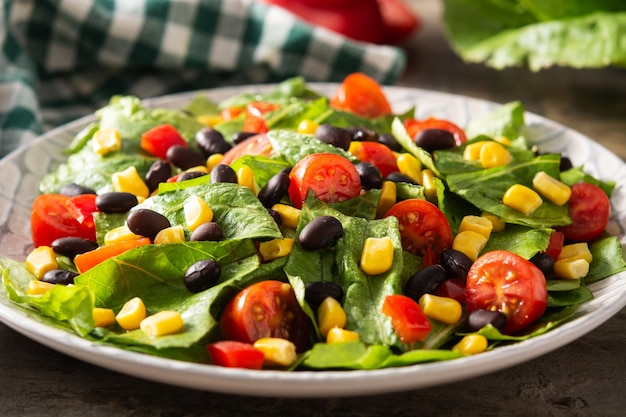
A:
288, 230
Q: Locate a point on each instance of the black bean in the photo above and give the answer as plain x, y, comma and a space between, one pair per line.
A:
239, 137
73, 189
209, 231
478, 319
287, 170
59, 276
359, 133
320, 233
333, 135
455, 263
390, 141
211, 141
370, 175
189, 175
146, 222
399, 177
116, 202
424, 281
184, 157
274, 190
316, 292
72, 246
202, 275
276, 216
159, 172
565, 164
434, 139
544, 262
223, 173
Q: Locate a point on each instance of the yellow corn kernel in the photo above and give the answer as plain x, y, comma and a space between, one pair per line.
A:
172, 234
104, 317
497, 224
162, 323
276, 248
444, 309
551, 188
210, 120
377, 255
289, 215
387, 198
129, 181
105, 141
472, 151
245, 178
476, 224
471, 344
355, 145
503, 140
576, 251
427, 180
41, 260
492, 154
213, 160
571, 268
198, 168
307, 126
36, 287
277, 351
120, 234
470, 243
197, 212
330, 314
339, 335
521, 198
409, 166
131, 314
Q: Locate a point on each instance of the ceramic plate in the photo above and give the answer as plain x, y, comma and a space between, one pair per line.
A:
22, 170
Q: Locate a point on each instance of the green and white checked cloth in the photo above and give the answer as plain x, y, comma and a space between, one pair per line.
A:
62, 59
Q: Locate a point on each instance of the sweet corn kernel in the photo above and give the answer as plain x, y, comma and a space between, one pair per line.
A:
472, 151
551, 188
210, 120
36, 287
162, 323
409, 166
492, 154
576, 251
497, 224
330, 314
470, 243
446, 310
521, 198
120, 234
377, 255
571, 268
471, 344
104, 317
355, 145
213, 160
105, 141
197, 212
41, 260
427, 180
172, 234
129, 181
277, 351
387, 198
198, 168
307, 126
131, 314
276, 248
339, 335
478, 224
503, 140
290, 215
245, 178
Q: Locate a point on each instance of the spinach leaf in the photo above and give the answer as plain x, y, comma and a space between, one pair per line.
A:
522, 240
607, 259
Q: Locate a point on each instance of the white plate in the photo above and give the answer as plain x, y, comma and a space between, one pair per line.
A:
22, 170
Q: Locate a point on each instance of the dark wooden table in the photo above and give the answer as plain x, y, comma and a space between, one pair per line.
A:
584, 378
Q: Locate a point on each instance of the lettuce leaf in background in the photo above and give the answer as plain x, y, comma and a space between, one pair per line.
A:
538, 33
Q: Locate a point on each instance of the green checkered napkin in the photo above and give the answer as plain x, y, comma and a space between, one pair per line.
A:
62, 59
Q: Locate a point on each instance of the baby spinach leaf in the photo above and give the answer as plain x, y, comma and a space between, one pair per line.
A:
522, 240
607, 259
574, 296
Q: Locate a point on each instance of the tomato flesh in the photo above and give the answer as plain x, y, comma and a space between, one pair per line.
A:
232, 354
407, 318
159, 139
254, 120
361, 95
378, 154
413, 127
589, 209
506, 282
254, 145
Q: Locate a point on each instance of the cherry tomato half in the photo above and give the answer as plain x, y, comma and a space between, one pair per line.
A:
413, 127
159, 139
589, 209
361, 95
423, 227
330, 176
254, 120
506, 282
407, 318
254, 145
378, 154
265, 309
233, 354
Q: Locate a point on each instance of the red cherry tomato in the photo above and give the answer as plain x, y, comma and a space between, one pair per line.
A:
331, 177
361, 95
407, 318
254, 145
54, 216
378, 154
589, 209
555, 245
254, 120
231, 113
423, 227
159, 139
265, 309
506, 282
413, 127
233, 354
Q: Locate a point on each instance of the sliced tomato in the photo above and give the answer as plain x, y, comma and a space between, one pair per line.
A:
506, 282
254, 145
254, 120
422, 227
555, 245
378, 154
231, 113
361, 95
159, 139
330, 176
86, 261
265, 309
232, 354
400, 21
407, 318
413, 127
589, 209
54, 216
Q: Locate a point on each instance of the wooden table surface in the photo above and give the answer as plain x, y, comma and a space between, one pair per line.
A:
584, 378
